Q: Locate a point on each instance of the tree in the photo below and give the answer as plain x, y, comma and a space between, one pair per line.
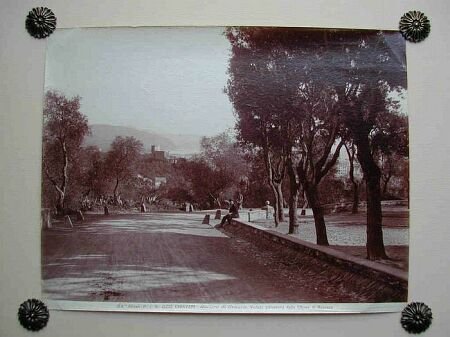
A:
256, 191
93, 174
208, 184
275, 164
64, 130
150, 167
388, 170
391, 148
223, 154
179, 188
371, 67
318, 148
332, 188
281, 109
258, 91
121, 159
351, 152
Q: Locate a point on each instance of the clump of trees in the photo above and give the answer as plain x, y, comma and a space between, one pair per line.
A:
73, 172
218, 173
301, 95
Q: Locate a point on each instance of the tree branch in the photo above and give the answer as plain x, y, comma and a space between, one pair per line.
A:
330, 164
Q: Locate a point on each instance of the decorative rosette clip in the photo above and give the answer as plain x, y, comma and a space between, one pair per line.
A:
33, 314
414, 26
40, 22
416, 317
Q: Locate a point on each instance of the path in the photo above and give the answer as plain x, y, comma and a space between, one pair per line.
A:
345, 229
168, 258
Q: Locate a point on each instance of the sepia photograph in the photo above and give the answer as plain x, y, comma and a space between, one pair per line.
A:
228, 169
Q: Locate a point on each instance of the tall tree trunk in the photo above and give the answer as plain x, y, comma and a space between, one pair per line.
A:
319, 220
293, 223
60, 202
61, 193
351, 151
355, 198
240, 200
407, 189
65, 175
280, 200
385, 185
276, 187
115, 189
61, 189
372, 175
293, 197
275, 204
375, 244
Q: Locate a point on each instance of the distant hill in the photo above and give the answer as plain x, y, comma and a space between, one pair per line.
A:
102, 136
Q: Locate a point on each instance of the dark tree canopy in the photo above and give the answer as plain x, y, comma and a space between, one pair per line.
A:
92, 175
300, 93
120, 163
281, 109
207, 184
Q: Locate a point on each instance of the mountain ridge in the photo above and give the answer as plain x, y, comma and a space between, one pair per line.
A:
102, 135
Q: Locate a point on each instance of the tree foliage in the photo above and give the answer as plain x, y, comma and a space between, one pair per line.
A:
224, 154
92, 175
64, 130
283, 111
120, 162
300, 93
207, 184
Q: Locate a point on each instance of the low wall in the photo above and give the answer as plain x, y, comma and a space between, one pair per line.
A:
256, 214
395, 279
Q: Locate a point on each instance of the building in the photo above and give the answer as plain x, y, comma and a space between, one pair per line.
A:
158, 181
343, 168
157, 154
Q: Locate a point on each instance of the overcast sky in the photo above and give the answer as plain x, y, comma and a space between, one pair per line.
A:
169, 80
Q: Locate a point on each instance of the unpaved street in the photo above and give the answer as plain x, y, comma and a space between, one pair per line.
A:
169, 258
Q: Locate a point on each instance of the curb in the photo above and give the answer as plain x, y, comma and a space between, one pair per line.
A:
386, 274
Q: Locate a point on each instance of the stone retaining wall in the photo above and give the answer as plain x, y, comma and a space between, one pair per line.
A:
387, 277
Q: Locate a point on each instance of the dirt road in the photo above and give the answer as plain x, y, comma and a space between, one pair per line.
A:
168, 258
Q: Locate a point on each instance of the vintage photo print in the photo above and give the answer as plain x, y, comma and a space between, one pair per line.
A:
225, 169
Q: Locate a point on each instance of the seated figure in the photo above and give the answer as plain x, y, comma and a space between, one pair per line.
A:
233, 212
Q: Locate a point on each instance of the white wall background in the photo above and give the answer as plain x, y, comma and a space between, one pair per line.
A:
21, 88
